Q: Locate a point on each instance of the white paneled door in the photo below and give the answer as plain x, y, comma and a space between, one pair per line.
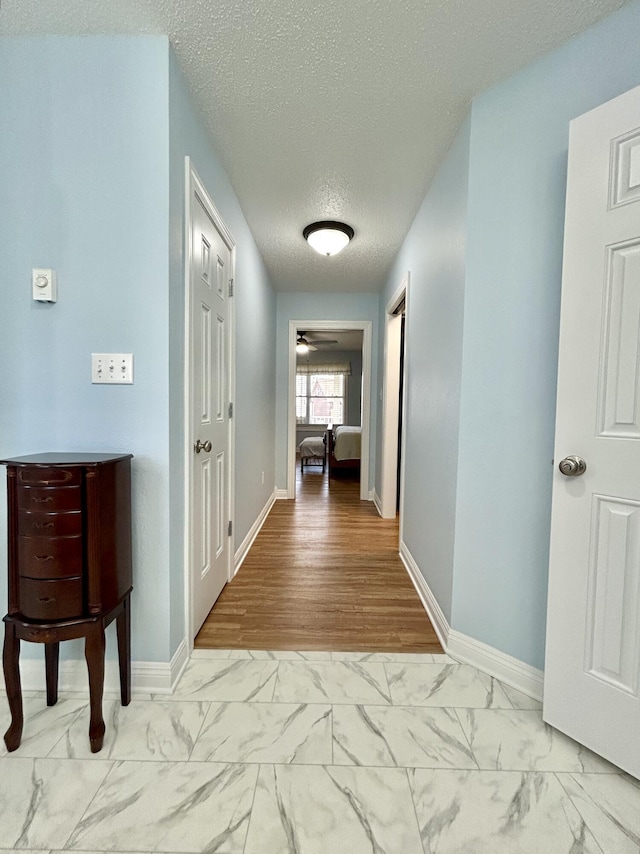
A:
210, 289
592, 673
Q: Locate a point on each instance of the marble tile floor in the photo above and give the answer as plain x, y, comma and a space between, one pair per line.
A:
313, 753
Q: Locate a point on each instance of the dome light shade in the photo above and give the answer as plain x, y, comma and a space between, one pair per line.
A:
328, 237
302, 345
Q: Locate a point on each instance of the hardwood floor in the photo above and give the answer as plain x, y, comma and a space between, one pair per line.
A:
323, 574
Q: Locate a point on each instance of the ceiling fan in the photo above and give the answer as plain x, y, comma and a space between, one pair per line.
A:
302, 344
312, 343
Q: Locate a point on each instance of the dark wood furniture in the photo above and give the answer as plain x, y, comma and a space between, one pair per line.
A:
339, 466
69, 521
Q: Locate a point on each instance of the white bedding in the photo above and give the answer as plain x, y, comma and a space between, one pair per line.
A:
346, 443
312, 446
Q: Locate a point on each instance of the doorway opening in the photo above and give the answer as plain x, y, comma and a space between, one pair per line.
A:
327, 330
328, 404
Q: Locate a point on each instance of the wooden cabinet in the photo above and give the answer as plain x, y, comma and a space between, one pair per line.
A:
69, 518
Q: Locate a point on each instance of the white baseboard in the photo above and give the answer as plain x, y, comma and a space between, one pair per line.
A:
281, 493
147, 677
371, 495
246, 544
377, 502
466, 649
504, 667
429, 601
178, 663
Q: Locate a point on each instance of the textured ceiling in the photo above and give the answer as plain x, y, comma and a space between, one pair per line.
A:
332, 109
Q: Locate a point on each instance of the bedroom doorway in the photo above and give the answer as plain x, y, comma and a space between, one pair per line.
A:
318, 334
392, 473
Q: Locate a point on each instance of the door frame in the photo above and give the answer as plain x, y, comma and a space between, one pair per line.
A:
391, 408
194, 185
366, 327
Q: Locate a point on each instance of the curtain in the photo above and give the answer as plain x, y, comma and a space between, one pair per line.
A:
317, 368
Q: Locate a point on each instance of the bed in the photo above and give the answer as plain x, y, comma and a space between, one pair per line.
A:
343, 449
313, 452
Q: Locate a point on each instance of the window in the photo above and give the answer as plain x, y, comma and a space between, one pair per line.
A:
320, 398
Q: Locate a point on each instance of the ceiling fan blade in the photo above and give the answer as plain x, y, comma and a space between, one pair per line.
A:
320, 341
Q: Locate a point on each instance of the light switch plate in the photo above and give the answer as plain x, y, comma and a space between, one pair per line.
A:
112, 368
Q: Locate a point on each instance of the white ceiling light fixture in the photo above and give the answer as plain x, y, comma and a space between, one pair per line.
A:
328, 237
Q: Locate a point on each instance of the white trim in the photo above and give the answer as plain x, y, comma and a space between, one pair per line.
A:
147, 677
466, 649
290, 488
376, 501
281, 493
504, 667
390, 409
366, 326
405, 396
246, 544
193, 184
178, 664
429, 601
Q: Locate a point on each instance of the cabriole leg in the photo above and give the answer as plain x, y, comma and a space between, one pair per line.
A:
10, 662
94, 653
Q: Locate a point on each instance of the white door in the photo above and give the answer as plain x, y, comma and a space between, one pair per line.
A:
210, 282
592, 674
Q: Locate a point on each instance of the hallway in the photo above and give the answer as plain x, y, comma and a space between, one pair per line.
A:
323, 574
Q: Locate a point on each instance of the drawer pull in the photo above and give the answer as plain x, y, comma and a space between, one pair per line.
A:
43, 557
45, 600
42, 526
46, 500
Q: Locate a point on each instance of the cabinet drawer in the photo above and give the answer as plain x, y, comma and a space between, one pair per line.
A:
49, 557
37, 524
49, 499
50, 600
49, 476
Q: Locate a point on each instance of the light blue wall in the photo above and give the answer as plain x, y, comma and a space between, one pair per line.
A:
434, 254
255, 317
84, 189
94, 133
517, 182
302, 306
482, 340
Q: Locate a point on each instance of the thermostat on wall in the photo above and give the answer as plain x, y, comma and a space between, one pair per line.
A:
43, 285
